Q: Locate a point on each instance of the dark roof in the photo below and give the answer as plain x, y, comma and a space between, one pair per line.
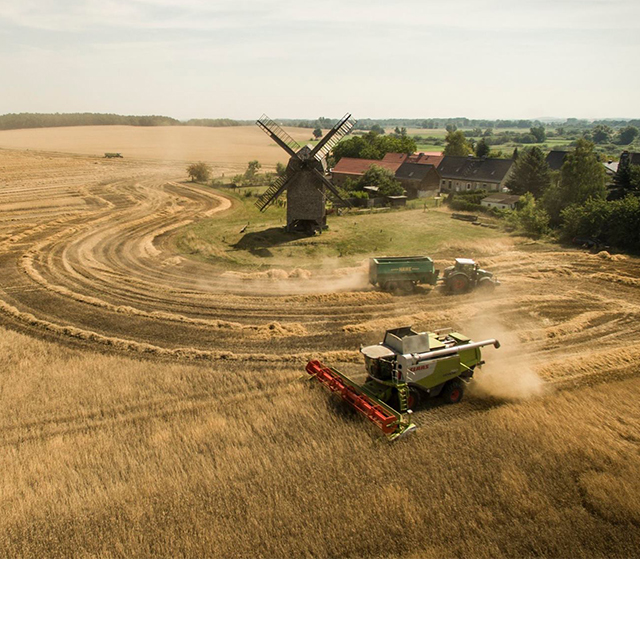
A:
555, 158
413, 171
477, 169
632, 158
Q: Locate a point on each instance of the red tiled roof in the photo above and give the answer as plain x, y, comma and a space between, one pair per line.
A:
426, 158
394, 157
357, 166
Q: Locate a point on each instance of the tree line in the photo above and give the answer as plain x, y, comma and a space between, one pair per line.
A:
16, 121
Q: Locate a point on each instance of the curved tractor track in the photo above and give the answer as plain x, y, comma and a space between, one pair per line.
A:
86, 259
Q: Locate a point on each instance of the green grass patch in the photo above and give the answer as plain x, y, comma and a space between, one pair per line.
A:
243, 237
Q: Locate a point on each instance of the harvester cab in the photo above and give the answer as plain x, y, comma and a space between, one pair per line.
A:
465, 275
406, 367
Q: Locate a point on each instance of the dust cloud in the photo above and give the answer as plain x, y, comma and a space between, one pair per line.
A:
509, 372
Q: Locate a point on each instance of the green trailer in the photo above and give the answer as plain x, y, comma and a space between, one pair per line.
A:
402, 273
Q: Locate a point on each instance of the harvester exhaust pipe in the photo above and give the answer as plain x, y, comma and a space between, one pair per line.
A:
454, 350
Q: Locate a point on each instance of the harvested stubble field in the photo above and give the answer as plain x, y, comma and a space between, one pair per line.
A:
152, 405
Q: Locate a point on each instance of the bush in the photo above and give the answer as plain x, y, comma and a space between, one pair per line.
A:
199, 172
530, 218
615, 223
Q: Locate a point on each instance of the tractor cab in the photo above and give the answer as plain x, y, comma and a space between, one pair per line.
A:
466, 265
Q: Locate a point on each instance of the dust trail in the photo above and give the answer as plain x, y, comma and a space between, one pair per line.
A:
509, 372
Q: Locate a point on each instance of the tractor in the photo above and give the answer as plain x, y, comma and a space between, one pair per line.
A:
466, 275
404, 369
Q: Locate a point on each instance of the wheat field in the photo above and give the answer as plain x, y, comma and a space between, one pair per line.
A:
153, 405
227, 150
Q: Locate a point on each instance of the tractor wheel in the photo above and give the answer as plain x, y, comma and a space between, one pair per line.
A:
486, 284
453, 391
458, 283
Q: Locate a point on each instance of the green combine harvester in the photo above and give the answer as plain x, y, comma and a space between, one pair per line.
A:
406, 367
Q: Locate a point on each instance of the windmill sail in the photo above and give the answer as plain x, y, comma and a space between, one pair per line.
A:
279, 135
327, 183
273, 192
333, 137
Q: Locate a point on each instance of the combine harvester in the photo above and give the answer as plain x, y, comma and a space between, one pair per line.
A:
402, 369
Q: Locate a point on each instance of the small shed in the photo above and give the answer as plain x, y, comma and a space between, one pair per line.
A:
500, 200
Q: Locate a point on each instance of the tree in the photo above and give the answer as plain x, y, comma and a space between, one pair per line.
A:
601, 134
482, 148
539, 133
378, 129
514, 156
627, 135
531, 218
373, 146
531, 174
626, 180
199, 172
582, 177
252, 169
382, 178
456, 144
281, 169
317, 133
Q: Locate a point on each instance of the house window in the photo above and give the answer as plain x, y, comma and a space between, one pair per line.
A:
449, 183
468, 185
484, 185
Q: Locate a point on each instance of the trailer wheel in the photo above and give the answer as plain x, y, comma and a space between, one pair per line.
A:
453, 391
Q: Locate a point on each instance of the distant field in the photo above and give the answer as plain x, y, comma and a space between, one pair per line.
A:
227, 149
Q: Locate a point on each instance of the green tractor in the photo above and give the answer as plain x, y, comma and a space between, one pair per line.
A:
466, 275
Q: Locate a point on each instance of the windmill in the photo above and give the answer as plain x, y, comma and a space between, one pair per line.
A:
304, 179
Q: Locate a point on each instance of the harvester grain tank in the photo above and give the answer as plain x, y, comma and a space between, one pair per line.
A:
403, 369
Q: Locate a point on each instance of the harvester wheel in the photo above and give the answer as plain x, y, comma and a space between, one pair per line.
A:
413, 399
453, 391
458, 283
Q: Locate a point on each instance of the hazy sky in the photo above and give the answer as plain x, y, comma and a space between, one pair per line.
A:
373, 58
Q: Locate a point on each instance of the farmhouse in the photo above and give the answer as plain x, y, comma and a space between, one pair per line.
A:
418, 179
468, 173
500, 200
